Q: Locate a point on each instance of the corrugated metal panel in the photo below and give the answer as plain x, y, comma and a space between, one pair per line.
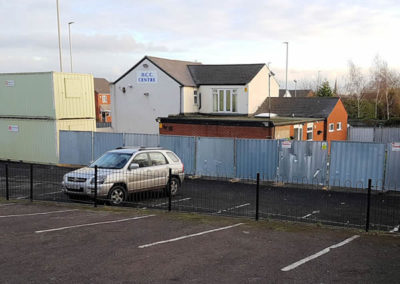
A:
303, 162
73, 95
387, 135
256, 155
75, 147
147, 140
215, 157
392, 181
29, 140
184, 147
27, 94
361, 134
104, 142
353, 163
77, 124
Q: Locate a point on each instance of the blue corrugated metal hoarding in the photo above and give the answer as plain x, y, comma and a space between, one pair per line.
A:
75, 147
146, 140
256, 156
215, 157
184, 147
353, 163
303, 162
392, 181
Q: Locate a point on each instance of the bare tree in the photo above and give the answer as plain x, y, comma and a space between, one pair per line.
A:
355, 84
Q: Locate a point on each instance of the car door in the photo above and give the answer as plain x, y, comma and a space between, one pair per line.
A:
159, 168
140, 178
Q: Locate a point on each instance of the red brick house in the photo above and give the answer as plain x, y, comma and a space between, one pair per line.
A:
102, 100
314, 119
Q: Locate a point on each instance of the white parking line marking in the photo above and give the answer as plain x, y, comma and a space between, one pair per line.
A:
7, 204
92, 224
318, 254
174, 201
189, 236
308, 215
34, 214
232, 208
395, 229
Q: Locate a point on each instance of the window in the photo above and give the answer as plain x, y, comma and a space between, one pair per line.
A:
339, 126
104, 99
331, 127
195, 97
298, 132
157, 159
173, 157
310, 127
141, 159
224, 100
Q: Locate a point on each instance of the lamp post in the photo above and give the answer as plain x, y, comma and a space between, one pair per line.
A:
270, 74
287, 56
70, 45
295, 87
319, 72
59, 36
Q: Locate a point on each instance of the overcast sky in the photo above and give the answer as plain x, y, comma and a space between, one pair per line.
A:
109, 37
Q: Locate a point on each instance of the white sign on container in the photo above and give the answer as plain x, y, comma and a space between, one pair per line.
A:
396, 146
146, 77
13, 128
9, 83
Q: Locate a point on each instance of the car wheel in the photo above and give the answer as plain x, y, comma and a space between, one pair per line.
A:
175, 185
116, 195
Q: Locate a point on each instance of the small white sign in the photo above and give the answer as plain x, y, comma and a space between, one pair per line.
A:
13, 128
9, 83
146, 77
286, 144
396, 146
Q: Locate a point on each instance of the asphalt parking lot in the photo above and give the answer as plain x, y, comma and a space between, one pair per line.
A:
223, 197
74, 243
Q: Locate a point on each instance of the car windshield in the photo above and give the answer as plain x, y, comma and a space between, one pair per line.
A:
112, 161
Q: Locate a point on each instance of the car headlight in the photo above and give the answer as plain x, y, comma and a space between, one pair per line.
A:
100, 180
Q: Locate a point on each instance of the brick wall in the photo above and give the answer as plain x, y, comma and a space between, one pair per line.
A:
338, 114
215, 130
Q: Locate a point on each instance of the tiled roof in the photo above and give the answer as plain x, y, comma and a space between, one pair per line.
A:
299, 93
101, 86
299, 107
235, 74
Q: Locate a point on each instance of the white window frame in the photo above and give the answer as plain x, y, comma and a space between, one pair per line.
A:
310, 129
216, 97
331, 127
195, 97
299, 133
339, 126
104, 99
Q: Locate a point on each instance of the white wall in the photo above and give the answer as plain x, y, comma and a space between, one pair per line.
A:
207, 99
258, 89
188, 100
132, 111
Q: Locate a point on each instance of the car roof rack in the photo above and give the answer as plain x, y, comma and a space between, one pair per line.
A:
140, 148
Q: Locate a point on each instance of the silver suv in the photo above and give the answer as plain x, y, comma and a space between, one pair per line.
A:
126, 170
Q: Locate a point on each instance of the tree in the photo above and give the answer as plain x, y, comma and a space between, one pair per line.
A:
325, 90
355, 84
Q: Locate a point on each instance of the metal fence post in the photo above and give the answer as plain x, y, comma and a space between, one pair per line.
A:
95, 186
7, 188
31, 185
368, 206
257, 196
169, 190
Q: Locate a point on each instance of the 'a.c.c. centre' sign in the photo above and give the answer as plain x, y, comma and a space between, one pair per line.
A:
146, 77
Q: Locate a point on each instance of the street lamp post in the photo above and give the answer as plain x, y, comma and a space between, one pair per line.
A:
270, 74
70, 45
295, 87
59, 36
287, 56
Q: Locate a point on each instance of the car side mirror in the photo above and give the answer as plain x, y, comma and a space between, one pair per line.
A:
133, 166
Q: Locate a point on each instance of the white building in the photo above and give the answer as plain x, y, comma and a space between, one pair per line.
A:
158, 87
